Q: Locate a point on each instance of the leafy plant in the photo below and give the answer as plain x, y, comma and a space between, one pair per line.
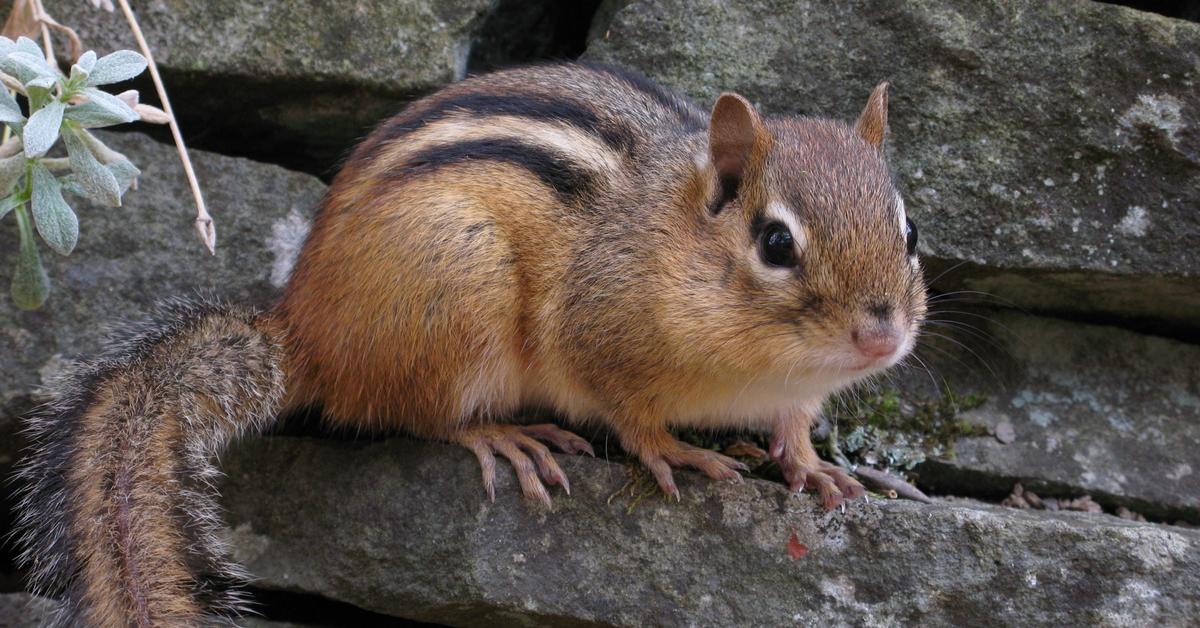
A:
32, 181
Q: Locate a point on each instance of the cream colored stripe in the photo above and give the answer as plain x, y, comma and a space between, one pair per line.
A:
579, 146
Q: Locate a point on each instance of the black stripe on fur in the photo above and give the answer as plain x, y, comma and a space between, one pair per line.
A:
569, 181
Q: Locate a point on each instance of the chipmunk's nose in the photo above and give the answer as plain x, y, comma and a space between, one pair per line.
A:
876, 342
877, 337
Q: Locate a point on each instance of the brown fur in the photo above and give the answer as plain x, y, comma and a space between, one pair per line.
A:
473, 290
124, 449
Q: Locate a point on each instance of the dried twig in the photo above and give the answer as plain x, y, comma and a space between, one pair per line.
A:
874, 478
47, 43
884, 481
204, 223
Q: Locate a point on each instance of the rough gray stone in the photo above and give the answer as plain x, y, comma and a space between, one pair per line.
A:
301, 80
403, 528
1091, 409
22, 610
130, 257
1052, 146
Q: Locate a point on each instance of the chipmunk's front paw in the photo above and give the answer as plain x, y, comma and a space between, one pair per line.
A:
831, 482
530, 459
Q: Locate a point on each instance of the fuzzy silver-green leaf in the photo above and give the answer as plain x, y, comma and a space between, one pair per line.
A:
55, 220
9, 202
11, 169
95, 181
125, 172
10, 111
43, 82
91, 115
119, 66
34, 65
86, 62
27, 45
42, 129
30, 285
111, 105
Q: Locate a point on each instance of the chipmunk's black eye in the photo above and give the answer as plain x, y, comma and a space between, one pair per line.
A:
910, 237
777, 246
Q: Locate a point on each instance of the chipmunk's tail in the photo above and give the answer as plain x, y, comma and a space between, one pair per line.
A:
118, 517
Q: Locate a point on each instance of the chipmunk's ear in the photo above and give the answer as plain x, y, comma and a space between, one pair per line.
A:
872, 123
733, 131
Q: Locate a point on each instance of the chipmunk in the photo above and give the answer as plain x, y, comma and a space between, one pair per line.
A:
568, 237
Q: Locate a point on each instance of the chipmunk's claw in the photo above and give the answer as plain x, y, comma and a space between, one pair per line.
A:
530, 459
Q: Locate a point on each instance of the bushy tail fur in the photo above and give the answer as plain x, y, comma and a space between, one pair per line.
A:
118, 516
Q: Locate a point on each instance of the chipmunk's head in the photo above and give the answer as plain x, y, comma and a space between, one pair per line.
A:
810, 255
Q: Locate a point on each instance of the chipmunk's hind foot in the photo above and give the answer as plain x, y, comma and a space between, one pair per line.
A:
530, 459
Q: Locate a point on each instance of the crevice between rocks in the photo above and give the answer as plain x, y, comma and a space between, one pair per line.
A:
306, 127
519, 32
311, 126
315, 610
944, 479
950, 275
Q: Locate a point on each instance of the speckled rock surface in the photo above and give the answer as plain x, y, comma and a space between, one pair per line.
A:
22, 610
1093, 409
411, 44
132, 256
310, 76
1054, 146
403, 528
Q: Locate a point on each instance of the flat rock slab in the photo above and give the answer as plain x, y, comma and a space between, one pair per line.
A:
132, 256
403, 528
1093, 409
22, 610
1052, 146
301, 80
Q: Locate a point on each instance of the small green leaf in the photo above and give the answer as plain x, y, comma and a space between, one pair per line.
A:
112, 107
11, 170
97, 182
116, 67
28, 46
43, 82
9, 203
32, 66
125, 172
30, 285
91, 115
10, 111
54, 218
85, 63
42, 129
6, 46
79, 74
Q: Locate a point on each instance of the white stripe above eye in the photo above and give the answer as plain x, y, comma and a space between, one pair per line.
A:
902, 214
778, 212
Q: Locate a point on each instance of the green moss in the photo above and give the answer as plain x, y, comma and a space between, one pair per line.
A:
891, 430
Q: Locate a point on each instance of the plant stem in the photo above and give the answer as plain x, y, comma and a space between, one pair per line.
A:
204, 223
47, 43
